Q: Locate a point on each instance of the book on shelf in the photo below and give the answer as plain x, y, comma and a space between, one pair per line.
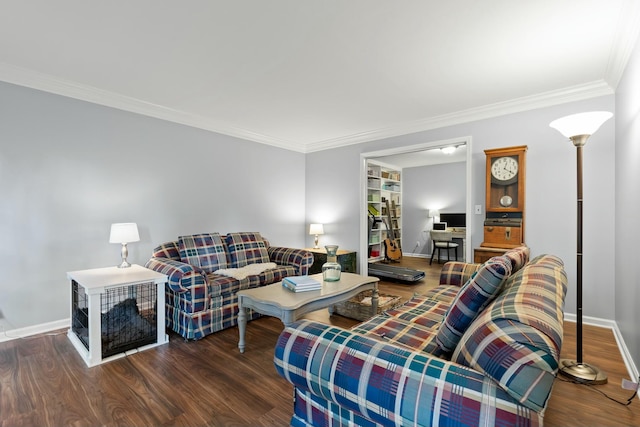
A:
301, 283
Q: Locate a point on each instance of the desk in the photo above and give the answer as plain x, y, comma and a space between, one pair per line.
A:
460, 233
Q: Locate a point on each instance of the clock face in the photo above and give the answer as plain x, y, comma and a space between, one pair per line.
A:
504, 169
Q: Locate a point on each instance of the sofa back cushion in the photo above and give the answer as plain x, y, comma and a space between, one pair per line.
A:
246, 248
516, 340
206, 251
473, 297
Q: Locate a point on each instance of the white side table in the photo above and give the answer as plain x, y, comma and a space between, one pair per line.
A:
98, 292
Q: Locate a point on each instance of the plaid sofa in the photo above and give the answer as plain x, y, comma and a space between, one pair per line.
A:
198, 301
482, 348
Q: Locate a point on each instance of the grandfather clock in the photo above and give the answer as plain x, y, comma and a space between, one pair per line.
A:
505, 197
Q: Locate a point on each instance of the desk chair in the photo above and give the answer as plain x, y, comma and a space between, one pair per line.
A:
442, 240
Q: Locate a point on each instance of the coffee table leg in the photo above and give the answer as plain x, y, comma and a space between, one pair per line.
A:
242, 326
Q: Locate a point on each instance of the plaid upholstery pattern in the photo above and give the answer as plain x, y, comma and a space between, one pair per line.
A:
518, 256
167, 250
198, 302
385, 371
457, 273
300, 260
181, 276
246, 248
203, 250
194, 326
517, 339
471, 300
345, 379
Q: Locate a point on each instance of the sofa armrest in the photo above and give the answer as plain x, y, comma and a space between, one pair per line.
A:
181, 276
457, 273
391, 385
301, 259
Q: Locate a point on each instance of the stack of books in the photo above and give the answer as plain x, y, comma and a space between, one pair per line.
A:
301, 283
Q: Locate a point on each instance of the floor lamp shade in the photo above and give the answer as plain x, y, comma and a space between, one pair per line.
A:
578, 128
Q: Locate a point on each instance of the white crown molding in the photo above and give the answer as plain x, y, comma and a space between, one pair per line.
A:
31, 79
34, 80
626, 37
546, 99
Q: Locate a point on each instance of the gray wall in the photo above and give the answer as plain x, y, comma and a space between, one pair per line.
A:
627, 205
333, 182
68, 169
430, 187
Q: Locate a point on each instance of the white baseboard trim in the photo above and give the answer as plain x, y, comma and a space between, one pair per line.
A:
632, 369
14, 334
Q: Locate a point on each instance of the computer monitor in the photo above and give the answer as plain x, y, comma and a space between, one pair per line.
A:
454, 220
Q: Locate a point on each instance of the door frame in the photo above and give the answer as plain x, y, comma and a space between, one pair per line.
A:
364, 223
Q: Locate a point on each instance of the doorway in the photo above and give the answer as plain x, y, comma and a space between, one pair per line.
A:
424, 154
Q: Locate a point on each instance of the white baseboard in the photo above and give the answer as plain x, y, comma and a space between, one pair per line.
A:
632, 369
13, 334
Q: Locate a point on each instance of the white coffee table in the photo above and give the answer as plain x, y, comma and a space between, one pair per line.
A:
275, 300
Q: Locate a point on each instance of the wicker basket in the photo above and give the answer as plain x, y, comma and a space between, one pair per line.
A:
359, 307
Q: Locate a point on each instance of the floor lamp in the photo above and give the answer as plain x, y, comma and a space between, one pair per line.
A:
578, 128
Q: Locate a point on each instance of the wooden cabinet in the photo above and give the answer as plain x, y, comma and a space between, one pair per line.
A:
384, 184
481, 254
346, 259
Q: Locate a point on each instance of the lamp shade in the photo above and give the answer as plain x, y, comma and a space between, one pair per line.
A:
124, 233
433, 213
581, 123
316, 229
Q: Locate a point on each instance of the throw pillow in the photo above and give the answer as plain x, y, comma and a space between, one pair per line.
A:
203, 250
246, 248
473, 297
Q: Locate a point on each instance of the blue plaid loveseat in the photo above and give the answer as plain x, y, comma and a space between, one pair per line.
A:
482, 348
198, 299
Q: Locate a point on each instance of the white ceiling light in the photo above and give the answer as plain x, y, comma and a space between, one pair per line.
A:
448, 150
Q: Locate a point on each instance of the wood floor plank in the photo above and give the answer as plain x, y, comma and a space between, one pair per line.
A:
44, 382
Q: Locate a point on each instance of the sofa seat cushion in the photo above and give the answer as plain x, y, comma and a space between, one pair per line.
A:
423, 310
246, 248
407, 334
221, 285
517, 339
206, 251
473, 297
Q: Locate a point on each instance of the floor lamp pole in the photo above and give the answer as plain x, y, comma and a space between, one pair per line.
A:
576, 369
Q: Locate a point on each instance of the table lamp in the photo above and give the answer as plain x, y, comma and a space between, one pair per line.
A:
316, 229
124, 233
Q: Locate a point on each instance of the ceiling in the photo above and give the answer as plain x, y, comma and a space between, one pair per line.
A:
311, 75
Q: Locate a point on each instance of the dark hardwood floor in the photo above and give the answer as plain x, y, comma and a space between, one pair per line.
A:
44, 382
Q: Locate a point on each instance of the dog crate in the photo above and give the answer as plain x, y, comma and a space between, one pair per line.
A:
116, 312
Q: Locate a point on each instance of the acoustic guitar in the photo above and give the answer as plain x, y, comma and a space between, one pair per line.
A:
392, 250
